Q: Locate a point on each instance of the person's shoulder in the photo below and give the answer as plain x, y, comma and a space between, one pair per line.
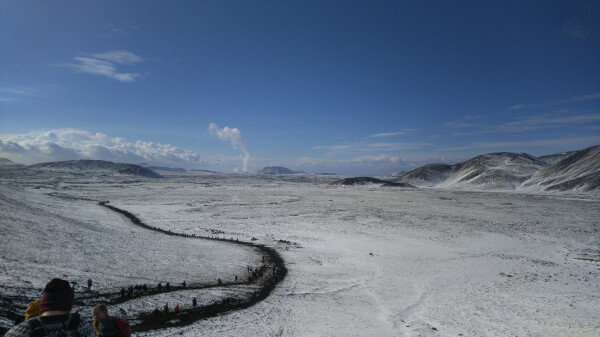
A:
21, 329
85, 329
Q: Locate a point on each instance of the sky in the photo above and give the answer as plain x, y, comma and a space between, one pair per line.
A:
350, 87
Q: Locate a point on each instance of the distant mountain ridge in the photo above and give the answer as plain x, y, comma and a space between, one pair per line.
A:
98, 166
277, 170
577, 170
7, 163
553, 158
162, 168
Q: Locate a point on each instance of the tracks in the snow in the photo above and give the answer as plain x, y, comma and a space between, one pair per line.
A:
273, 272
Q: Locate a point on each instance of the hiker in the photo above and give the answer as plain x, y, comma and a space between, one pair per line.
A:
168, 286
166, 308
109, 326
183, 284
176, 310
90, 284
219, 281
194, 303
55, 314
159, 286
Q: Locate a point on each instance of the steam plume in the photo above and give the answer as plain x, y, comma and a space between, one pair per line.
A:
234, 136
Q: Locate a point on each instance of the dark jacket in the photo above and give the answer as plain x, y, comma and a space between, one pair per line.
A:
51, 324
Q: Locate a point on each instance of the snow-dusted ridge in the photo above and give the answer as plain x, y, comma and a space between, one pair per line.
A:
96, 167
578, 170
7, 163
275, 170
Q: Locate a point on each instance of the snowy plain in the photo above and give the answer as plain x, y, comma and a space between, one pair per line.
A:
362, 260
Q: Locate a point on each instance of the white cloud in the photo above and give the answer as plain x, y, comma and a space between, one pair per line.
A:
334, 147
369, 164
463, 125
590, 97
576, 143
391, 134
546, 121
517, 107
548, 103
529, 123
73, 144
120, 57
105, 64
397, 146
234, 136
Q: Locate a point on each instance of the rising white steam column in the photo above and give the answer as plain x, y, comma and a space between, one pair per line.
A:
234, 136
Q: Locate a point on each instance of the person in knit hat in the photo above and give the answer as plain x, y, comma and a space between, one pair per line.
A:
55, 314
58, 296
106, 325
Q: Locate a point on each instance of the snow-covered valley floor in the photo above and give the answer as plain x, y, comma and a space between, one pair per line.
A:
361, 260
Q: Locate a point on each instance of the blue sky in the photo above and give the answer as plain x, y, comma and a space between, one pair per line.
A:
356, 87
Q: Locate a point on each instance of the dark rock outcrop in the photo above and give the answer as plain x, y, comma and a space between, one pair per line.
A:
370, 180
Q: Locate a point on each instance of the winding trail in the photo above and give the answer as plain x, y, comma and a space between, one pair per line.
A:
149, 321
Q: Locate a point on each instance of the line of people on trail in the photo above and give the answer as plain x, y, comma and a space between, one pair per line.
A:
142, 289
133, 291
51, 316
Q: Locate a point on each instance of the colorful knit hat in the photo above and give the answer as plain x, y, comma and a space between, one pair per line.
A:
58, 295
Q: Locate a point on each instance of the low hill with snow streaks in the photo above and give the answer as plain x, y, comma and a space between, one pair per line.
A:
7, 163
96, 167
277, 170
578, 171
503, 170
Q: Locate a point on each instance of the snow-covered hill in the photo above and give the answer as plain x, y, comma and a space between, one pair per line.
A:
7, 163
95, 168
276, 170
567, 171
578, 171
503, 170
553, 158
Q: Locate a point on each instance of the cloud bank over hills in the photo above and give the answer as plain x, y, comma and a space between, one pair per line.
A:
74, 144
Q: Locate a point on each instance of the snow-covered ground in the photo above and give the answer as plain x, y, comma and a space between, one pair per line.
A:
361, 260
